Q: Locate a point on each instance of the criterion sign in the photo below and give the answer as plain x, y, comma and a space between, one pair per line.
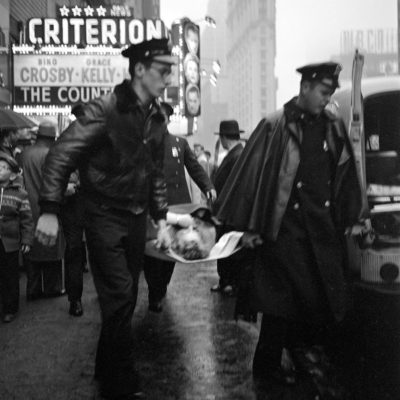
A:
76, 57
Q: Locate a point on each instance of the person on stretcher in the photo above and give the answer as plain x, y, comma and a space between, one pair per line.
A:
193, 235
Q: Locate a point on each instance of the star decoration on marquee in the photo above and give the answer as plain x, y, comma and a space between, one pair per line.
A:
77, 11
89, 11
101, 11
64, 11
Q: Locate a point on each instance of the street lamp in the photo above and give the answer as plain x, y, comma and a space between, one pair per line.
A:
213, 79
216, 70
210, 21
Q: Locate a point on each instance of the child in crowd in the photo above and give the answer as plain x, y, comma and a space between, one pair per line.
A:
16, 233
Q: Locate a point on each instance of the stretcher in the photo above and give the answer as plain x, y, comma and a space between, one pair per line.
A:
228, 244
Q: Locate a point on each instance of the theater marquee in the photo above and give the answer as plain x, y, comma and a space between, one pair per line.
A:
93, 31
76, 57
65, 79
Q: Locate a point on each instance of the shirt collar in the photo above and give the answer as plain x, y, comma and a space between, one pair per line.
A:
296, 114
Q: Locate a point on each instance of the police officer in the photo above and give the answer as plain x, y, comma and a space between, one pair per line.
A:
118, 147
177, 157
294, 191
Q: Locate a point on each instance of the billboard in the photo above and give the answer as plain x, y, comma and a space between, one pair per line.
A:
190, 47
379, 47
76, 57
65, 79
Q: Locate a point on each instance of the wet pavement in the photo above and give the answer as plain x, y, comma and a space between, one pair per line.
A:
193, 350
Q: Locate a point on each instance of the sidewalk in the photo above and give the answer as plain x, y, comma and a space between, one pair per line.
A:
193, 350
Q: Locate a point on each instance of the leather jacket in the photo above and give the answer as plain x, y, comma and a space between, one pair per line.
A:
118, 150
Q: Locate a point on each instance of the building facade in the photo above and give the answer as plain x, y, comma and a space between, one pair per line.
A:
214, 101
15, 14
251, 49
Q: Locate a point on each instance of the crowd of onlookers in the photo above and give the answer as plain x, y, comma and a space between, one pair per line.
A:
57, 270
51, 271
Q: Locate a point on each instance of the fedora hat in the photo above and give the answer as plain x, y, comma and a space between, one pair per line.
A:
47, 129
229, 128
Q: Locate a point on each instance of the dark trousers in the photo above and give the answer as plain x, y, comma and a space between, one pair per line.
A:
115, 241
229, 268
9, 280
72, 222
277, 333
271, 341
44, 278
158, 274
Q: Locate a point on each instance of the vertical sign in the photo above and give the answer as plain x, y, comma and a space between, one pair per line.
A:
191, 67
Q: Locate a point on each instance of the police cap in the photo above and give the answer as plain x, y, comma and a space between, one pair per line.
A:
154, 49
326, 73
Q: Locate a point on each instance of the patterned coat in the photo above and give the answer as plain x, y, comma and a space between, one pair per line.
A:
16, 223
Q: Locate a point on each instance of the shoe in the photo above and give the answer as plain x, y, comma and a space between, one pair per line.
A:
228, 290
284, 374
8, 318
75, 308
315, 363
54, 294
155, 306
216, 288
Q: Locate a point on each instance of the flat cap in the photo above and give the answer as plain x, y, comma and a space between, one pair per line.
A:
154, 49
326, 73
12, 163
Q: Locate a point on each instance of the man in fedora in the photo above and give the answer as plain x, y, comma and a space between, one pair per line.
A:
229, 136
295, 192
118, 147
44, 264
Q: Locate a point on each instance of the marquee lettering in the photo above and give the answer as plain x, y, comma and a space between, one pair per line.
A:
93, 31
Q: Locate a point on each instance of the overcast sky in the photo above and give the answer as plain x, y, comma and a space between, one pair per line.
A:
307, 30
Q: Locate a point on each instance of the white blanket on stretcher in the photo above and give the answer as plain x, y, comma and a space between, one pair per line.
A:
227, 245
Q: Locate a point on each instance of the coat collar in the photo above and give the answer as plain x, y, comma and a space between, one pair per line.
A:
128, 100
296, 117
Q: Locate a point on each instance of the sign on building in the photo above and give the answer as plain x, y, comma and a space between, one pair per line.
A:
76, 57
190, 65
65, 79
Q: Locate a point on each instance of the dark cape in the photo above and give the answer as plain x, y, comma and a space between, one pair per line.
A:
223, 171
247, 201
255, 198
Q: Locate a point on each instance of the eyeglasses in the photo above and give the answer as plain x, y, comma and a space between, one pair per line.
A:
163, 70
